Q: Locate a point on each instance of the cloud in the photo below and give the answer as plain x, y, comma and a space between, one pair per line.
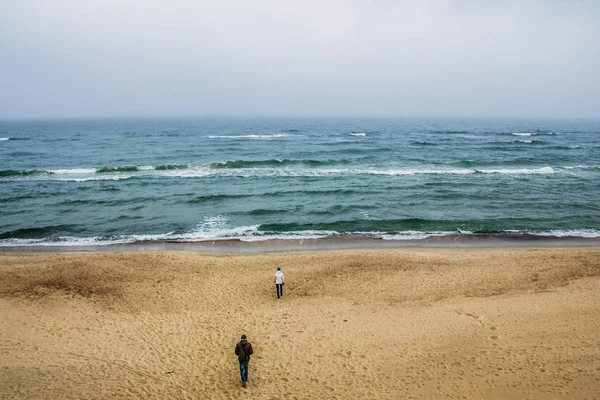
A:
184, 57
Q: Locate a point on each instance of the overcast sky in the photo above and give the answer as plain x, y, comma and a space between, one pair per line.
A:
77, 58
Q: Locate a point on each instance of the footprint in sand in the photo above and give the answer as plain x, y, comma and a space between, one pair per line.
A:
474, 316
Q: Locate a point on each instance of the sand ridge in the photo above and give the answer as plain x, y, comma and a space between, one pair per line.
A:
386, 324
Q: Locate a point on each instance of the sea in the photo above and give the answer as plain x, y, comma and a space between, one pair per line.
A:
95, 182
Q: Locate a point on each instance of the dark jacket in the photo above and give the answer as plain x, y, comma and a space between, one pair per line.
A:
243, 350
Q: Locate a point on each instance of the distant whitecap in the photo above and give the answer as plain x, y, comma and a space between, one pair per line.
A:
269, 136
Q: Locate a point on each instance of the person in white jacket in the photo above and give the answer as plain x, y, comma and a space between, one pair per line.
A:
279, 282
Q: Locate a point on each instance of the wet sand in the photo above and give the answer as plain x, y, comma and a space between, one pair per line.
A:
427, 323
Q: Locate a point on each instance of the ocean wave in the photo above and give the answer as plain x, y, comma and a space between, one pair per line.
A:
16, 172
477, 137
566, 147
530, 141
37, 232
352, 151
24, 154
584, 167
363, 134
261, 212
238, 164
416, 235
283, 193
388, 226
423, 143
75, 171
261, 169
4, 138
449, 131
217, 231
216, 197
166, 167
341, 210
468, 163
93, 174
16, 198
525, 171
265, 136
125, 168
95, 178
399, 172
534, 133
522, 133
580, 233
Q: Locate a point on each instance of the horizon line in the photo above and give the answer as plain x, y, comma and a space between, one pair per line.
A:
257, 116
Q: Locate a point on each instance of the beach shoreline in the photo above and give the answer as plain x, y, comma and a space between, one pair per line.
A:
415, 323
317, 244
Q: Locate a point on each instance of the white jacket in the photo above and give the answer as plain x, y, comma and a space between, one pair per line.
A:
279, 277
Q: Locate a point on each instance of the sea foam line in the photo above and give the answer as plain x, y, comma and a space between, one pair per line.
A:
267, 136
73, 171
252, 234
533, 133
86, 174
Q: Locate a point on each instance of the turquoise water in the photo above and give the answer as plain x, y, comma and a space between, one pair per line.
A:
78, 182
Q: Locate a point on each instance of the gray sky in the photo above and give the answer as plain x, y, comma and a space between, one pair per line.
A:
75, 58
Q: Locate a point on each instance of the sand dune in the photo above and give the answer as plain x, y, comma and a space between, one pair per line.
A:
384, 324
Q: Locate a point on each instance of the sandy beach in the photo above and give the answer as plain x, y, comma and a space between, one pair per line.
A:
470, 323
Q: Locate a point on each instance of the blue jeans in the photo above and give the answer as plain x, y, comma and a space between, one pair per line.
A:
244, 370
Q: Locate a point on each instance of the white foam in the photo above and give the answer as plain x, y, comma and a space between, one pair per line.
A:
214, 229
4, 138
74, 171
192, 172
472, 137
419, 171
95, 178
64, 241
525, 141
585, 233
217, 227
294, 235
413, 235
358, 134
534, 133
544, 170
85, 174
582, 167
269, 136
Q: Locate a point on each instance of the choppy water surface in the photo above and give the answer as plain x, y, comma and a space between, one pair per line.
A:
106, 181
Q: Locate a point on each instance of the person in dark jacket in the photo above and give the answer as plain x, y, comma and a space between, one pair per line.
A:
243, 350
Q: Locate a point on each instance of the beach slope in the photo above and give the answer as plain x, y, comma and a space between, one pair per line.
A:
498, 323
